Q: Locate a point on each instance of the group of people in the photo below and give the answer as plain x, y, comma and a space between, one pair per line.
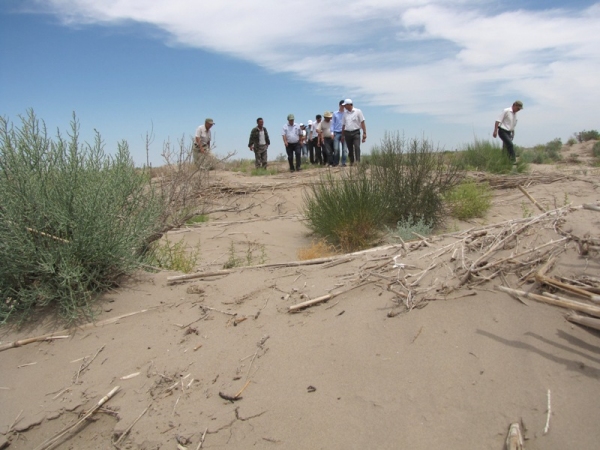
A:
327, 138
331, 136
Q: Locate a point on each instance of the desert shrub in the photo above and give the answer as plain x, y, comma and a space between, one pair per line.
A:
173, 256
200, 218
571, 142
469, 199
543, 154
412, 176
72, 219
487, 157
596, 150
407, 229
587, 135
347, 211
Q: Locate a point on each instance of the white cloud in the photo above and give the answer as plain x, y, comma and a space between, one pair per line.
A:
454, 60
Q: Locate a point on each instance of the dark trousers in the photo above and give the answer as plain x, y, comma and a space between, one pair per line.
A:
507, 143
328, 151
352, 139
314, 151
291, 150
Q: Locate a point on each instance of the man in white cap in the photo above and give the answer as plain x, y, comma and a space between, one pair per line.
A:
505, 128
354, 121
202, 141
314, 146
292, 138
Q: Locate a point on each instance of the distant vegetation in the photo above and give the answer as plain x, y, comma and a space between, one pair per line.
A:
543, 154
486, 156
584, 136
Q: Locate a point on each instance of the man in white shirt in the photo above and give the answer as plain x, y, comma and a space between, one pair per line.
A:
202, 140
326, 135
505, 128
292, 138
354, 121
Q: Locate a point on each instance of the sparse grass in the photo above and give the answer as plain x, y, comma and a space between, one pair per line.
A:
173, 256
263, 172
596, 149
317, 249
200, 218
526, 209
469, 200
249, 258
487, 156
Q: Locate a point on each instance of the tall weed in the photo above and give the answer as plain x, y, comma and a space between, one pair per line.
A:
487, 157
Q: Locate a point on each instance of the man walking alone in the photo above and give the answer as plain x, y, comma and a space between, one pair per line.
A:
259, 143
505, 128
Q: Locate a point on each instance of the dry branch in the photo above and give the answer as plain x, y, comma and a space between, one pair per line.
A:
540, 207
582, 320
59, 334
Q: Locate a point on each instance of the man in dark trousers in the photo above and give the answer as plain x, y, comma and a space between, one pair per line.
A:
505, 128
259, 143
292, 136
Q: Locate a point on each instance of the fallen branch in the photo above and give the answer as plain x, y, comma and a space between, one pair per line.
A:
193, 276
540, 207
48, 443
60, 334
514, 440
323, 298
589, 322
554, 300
116, 444
568, 287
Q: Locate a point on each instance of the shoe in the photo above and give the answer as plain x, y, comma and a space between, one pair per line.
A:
343, 165
292, 170
298, 169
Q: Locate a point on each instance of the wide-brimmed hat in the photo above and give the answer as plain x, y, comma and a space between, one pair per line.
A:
327, 114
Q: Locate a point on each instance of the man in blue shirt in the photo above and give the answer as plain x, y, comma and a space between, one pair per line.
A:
338, 138
291, 139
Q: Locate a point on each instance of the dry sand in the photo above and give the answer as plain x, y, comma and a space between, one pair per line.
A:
341, 375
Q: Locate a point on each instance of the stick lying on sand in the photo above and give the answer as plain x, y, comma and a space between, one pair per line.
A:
59, 334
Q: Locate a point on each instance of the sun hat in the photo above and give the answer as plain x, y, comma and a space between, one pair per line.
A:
290, 117
519, 103
347, 102
327, 114
209, 120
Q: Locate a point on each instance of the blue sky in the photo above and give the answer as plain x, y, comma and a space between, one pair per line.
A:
443, 69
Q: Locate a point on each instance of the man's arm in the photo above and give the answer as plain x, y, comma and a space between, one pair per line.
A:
496, 125
251, 140
363, 125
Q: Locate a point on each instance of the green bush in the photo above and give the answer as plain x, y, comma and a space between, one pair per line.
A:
596, 149
72, 219
408, 228
487, 157
347, 211
412, 177
543, 154
585, 135
405, 181
469, 200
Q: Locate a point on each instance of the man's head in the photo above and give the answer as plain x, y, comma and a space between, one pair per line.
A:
291, 119
517, 106
327, 116
348, 104
208, 123
318, 117
341, 105
260, 122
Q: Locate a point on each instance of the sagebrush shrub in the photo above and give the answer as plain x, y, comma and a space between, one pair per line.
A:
487, 157
72, 219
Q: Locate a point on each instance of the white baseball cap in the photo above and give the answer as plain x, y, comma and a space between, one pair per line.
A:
347, 102
310, 122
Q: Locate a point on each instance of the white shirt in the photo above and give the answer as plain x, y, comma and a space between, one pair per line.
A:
292, 133
204, 135
353, 119
508, 119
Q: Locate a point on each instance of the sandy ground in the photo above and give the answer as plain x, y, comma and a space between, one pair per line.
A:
343, 374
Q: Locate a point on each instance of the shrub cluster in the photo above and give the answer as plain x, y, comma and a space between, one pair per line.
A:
469, 200
405, 182
72, 219
543, 154
585, 135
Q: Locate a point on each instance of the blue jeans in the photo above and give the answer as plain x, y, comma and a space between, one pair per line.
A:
337, 143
